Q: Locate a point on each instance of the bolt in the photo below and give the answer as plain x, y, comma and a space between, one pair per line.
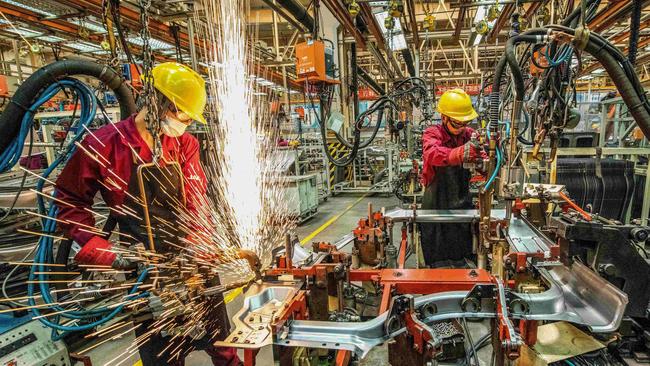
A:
240, 332
473, 273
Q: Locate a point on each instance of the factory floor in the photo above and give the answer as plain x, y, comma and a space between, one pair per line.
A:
335, 218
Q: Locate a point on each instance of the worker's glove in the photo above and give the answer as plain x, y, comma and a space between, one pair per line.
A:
252, 258
463, 154
97, 251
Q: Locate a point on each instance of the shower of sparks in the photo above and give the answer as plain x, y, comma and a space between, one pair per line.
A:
244, 171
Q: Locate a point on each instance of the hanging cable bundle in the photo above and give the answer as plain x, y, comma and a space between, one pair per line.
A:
410, 87
151, 118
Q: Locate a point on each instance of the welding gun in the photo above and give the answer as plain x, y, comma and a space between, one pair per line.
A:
253, 261
475, 164
255, 265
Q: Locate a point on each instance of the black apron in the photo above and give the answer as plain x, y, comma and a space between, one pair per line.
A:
162, 189
442, 243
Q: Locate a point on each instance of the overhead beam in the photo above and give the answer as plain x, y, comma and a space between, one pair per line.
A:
373, 27
414, 22
290, 10
506, 12
31, 17
459, 22
344, 19
626, 35
607, 15
532, 9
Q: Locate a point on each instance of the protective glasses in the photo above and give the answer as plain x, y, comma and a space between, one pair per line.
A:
180, 115
456, 125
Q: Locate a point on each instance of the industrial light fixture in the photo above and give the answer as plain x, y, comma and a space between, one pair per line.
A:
30, 8
89, 24
599, 70
84, 46
481, 28
354, 8
494, 12
586, 77
396, 8
155, 44
24, 32
51, 39
429, 22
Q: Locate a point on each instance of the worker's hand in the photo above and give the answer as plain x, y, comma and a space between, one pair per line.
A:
466, 153
97, 251
123, 263
251, 257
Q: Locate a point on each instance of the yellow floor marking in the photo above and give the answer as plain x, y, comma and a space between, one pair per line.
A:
329, 222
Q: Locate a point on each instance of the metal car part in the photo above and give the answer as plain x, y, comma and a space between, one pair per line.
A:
576, 295
252, 323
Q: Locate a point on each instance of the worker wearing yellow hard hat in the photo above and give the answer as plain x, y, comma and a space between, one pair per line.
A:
184, 87
445, 147
117, 161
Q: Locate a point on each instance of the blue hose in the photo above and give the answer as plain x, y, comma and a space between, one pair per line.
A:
45, 253
563, 56
496, 169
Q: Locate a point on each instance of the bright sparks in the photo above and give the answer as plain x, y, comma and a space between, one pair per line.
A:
243, 172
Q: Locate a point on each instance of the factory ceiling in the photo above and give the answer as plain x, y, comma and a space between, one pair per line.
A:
440, 36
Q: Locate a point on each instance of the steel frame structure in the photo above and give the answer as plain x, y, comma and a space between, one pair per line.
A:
278, 311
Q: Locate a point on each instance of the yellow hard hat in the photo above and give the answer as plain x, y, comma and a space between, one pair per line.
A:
182, 86
457, 104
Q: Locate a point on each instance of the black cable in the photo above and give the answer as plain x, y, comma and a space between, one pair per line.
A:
174, 29
22, 181
115, 13
635, 20
521, 137
74, 114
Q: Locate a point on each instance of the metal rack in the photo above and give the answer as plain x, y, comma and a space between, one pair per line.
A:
623, 123
363, 182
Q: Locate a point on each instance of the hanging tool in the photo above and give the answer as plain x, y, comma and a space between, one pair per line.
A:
174, 29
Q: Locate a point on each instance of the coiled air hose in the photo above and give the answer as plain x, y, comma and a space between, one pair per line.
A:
15, 122
12, 117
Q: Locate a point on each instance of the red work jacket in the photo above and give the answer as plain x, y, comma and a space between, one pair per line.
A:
84, 176
437, 143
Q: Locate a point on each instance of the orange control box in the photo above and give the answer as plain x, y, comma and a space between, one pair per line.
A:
541, 61
4, 87
310, 60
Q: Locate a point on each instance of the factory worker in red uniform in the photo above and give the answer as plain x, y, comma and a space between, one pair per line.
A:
118, 151
444, 149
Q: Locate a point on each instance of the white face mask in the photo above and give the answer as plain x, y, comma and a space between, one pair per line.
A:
172, 127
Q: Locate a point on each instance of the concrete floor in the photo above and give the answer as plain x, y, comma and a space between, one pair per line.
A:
350, 209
